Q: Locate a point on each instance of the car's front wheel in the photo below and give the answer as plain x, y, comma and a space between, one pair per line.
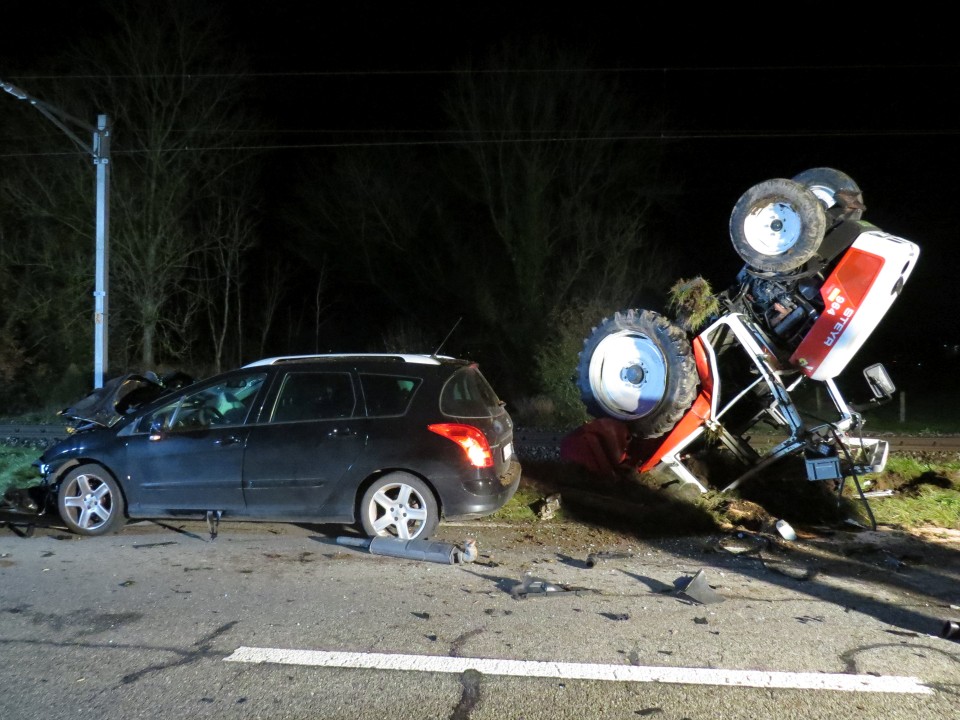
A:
399, 505
90, 501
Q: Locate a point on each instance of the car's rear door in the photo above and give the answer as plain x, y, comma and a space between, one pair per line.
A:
308, 438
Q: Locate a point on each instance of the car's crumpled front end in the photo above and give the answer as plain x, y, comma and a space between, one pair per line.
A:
120, 396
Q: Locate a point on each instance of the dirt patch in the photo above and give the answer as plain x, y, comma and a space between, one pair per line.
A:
655, 504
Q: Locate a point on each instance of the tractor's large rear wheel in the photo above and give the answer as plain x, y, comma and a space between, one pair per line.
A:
839, 193
638, 367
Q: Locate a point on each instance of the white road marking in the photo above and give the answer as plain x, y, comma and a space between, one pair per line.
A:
586, 671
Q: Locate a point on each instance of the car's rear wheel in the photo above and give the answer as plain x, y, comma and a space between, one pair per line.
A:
90, 501
825, 183
777, 225
638, 367
399, 505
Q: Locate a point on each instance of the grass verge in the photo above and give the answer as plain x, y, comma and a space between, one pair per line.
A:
924, 491
16, 468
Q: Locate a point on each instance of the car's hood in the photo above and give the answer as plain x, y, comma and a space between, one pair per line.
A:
121, 396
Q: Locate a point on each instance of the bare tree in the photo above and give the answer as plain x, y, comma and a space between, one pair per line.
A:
230, 235
542, 207
178, 125
46, 264
565, 195
274, 282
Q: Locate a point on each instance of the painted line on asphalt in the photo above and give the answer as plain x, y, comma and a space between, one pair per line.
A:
585, 671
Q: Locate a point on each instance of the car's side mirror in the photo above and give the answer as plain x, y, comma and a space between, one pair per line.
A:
879, 381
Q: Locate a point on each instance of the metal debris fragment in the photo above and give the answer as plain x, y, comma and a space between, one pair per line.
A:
548, 508
532, 586
699, 590
213, 522
797, 571
470, 552
740, 545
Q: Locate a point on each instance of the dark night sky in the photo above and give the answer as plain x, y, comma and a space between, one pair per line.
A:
748, 97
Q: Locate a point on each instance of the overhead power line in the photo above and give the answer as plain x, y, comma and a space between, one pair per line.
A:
499, 71
641, 137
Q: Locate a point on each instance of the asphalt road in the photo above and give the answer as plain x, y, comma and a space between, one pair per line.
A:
282, 621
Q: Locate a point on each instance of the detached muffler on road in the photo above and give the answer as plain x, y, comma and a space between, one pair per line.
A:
427, 550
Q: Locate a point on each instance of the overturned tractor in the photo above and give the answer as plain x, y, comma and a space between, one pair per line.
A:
678, 393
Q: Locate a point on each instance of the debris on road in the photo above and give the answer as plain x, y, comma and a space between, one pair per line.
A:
594, 558
532, 586
792, 569
548, 507
213, 522
470, 551
699, 590
786, 530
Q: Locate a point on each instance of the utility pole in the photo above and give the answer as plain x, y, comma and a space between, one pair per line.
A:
99, 150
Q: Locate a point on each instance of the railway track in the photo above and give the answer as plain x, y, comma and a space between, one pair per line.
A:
898, 443
528, 438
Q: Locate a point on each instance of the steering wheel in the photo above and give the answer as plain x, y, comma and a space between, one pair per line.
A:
210, 416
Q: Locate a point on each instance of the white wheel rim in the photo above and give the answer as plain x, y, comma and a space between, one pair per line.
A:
628, 375
773, 228
397, 510
824, 194
89, 502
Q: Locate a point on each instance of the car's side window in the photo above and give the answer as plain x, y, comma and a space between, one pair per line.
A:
225, 403
387, 394
314, 396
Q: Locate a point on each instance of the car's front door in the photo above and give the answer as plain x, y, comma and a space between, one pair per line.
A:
308, 439
188, 455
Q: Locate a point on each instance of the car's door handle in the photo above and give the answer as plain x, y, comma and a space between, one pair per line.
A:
340, 432
227, 440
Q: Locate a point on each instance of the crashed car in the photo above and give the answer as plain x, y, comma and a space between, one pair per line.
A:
390, 442
816, 282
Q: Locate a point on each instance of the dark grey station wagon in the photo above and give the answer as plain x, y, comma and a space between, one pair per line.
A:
392, 443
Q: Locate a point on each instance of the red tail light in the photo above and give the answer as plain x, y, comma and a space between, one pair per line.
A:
470, 439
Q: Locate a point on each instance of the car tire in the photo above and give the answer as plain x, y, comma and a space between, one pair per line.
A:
777, 225
90, 501
825, 183
638, 367
399, 505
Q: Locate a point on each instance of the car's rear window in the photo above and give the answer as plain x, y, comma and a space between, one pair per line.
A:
387, 394
467, 394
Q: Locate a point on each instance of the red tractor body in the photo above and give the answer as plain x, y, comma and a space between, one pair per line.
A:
817, 282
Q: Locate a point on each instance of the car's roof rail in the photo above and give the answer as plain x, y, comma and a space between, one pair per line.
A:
395, 357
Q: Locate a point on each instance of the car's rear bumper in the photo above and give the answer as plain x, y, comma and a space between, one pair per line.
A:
485, 496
